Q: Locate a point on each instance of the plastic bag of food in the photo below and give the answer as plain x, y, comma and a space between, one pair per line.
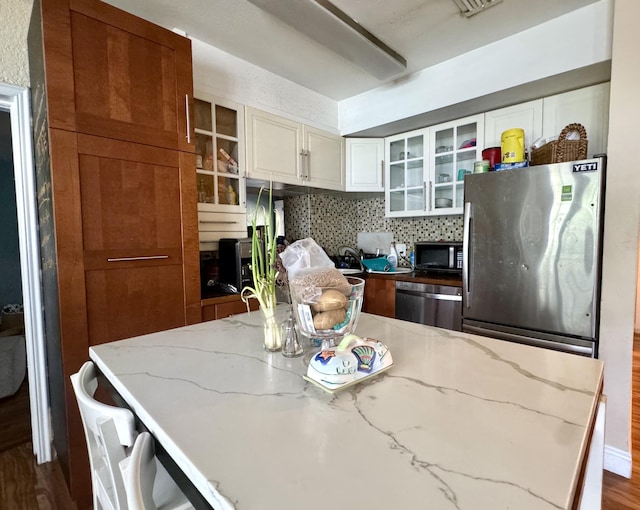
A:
304, 254
312, 275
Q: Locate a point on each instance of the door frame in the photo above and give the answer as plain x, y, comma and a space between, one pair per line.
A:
16, 101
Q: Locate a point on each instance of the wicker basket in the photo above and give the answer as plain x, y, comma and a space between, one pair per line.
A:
562, 150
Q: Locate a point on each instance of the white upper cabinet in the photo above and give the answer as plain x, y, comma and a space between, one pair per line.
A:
527, 116
220, 169
365, 164
274, 147
425, 168
454, 147
406, 174
323, 160
286, 151
548, 116
588, 106
220, 154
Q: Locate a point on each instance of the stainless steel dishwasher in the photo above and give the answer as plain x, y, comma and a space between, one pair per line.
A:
433, 305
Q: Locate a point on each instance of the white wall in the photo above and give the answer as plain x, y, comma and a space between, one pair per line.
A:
576, 40
221, 74
14, 25
638, 295
622, 222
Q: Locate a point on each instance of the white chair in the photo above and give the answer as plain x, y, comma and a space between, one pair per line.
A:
110, 432
140, 480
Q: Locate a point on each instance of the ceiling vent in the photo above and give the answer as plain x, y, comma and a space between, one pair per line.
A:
471, 7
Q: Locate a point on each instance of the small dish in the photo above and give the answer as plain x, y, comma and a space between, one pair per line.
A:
443, 202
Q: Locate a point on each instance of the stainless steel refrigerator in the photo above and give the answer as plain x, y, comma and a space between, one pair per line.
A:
532, 255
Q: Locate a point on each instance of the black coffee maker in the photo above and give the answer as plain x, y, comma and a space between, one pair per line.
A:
234, 262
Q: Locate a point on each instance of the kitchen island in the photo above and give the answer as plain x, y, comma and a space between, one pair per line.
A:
458, 422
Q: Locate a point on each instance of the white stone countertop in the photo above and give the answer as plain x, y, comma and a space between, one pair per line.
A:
458, 422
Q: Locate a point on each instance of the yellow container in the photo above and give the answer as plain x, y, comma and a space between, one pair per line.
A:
513, 145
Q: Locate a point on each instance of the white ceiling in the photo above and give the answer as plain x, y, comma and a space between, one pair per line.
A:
425, 32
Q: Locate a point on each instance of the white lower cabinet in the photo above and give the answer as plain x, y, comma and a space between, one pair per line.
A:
365, 164
282, 150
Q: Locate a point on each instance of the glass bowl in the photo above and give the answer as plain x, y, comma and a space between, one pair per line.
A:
329, 313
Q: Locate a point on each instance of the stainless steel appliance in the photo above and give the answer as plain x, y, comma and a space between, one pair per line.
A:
438, 256
433, 305
532, 257
234, 261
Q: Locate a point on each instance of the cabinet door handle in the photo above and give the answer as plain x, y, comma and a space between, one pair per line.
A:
219, 222
301, 169
303, 173
128, 259
186, 109
382, 168
430, 194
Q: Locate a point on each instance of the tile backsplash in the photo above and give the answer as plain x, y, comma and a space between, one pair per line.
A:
334, 221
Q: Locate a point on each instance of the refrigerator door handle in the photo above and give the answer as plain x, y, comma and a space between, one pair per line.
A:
465, 253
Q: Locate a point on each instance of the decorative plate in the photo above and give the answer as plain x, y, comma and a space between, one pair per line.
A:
354, 360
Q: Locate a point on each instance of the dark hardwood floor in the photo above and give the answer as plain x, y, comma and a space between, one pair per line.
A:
23, 484
15, 420
620, 493
27, 486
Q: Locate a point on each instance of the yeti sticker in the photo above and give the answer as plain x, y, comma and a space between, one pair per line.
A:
585, 167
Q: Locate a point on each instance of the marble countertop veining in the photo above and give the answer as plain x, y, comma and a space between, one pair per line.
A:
459, 422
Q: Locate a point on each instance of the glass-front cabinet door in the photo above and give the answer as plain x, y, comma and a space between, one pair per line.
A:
406, 171
220, 166
454, 148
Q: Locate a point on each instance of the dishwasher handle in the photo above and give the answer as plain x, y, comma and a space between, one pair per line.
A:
430, 295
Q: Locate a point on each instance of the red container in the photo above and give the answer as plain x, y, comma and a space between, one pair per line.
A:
493, 154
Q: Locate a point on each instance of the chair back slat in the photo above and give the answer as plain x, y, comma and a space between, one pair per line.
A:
140, 473
109, 431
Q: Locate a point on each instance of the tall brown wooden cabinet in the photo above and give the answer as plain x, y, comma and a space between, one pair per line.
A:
112, 100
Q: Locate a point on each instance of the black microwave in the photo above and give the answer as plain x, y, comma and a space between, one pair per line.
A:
440, 256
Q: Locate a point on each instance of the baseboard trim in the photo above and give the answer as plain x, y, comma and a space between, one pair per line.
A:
617, 461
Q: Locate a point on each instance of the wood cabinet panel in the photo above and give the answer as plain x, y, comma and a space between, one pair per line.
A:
125, 77
380, 296
132, 301
233, 307
209, 312
230, 306
121, 172
123, 226
129, 205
